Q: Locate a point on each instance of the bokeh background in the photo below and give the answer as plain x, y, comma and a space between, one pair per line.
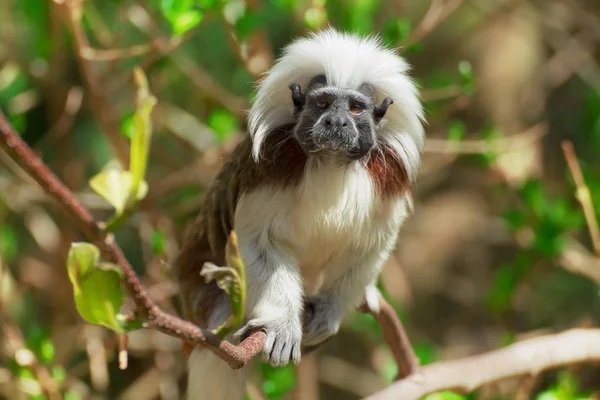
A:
497, 250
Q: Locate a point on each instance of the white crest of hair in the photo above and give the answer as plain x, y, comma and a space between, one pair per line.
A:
347, 61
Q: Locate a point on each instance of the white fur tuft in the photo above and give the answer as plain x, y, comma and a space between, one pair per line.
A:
347, 61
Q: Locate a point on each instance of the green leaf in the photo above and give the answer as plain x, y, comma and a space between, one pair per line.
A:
315, 17
500, 295
59, 374
127, 126
446, 395
208, 4
232, 280
182, 15
390, 370
467, 77
223, 123
186, 21
396, 30
158, 242
140, 142
247, 24
456, 131
72, 395
514, 218
534, 196
277, 381
29, 384
96, 286
8, 243
114, 186
39, 342
426, 353
130, 324
567, 388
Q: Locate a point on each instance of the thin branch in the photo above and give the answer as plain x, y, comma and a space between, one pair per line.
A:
583, 195
577, 259
254, 51
163, 49
21, 153
529, 357
95, 54
25, 358
438, 12
100, 105
500, 145
396, 338
197, 75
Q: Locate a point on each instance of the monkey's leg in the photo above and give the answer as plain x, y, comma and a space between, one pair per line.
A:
274, 302
344, 293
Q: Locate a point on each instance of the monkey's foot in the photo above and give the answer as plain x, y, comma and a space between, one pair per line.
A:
284, 339
324, 323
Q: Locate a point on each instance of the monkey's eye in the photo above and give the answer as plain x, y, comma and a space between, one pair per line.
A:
357, 109
322, 103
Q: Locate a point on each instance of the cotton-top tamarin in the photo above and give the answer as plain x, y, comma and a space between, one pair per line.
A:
316, 194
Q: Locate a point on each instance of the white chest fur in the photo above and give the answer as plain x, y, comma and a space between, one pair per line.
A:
333, 217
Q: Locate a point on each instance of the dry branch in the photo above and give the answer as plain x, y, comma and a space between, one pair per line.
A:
396, 338
583, 195
529, 357
438, 12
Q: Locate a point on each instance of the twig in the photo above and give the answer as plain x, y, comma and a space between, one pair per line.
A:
577, 259
21, 153
64, 123
93, 54
438, 12
395, 337
123, 357
163, 49
15, 344
142, 19
253, 52
500, 145
100, 104
529, 357
583, 195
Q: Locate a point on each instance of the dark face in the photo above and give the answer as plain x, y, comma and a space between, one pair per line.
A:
336, 120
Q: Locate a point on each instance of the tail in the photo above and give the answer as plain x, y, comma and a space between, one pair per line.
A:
210, 378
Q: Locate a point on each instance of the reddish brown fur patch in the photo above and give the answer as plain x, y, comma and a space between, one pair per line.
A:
388, 172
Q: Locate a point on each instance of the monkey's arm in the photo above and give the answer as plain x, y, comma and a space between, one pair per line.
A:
274, 299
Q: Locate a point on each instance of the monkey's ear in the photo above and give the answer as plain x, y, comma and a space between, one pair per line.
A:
380, 110
297, 97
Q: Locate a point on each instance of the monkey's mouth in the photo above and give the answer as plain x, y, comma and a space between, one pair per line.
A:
344, 150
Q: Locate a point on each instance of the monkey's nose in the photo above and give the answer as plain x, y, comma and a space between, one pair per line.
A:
336, 122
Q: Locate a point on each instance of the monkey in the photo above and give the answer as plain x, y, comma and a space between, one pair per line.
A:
316, 193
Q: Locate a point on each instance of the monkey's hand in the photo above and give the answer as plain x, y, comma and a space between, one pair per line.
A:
323, 318
284, 337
